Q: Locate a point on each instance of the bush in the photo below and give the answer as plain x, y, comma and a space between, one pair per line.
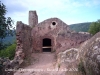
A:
8, 52
94, 27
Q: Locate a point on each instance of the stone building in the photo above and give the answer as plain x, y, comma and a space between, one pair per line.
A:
51, 35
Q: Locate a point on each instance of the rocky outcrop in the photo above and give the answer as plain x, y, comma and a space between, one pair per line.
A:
5, 66
68, 58
86, 58
89, 53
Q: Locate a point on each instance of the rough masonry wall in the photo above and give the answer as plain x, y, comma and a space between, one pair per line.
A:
62, 37
46, 29
33, 19
24, 41
70, 40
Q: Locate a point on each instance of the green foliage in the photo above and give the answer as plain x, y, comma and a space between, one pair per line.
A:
83, 27
5, 24
94, 27
8, 52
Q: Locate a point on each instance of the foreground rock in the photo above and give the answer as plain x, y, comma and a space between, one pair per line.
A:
68, 58
6, 64
90, 55
86, 58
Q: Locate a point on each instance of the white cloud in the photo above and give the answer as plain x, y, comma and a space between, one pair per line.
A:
18, 9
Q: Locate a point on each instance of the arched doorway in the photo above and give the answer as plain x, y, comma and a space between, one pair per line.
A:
46, 45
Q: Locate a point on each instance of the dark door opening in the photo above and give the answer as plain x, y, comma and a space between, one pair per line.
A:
46, 45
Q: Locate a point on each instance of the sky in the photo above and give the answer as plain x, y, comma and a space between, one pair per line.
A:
69, 11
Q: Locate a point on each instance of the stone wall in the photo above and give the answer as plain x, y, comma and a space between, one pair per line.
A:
24, 42
33, 19
61, 36
70, 40
46, 29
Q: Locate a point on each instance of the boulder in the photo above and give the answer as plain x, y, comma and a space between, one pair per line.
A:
89, 53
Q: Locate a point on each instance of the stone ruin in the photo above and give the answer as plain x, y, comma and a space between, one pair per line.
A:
51, 35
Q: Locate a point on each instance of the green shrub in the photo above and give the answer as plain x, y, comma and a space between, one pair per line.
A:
94, 27
8, 52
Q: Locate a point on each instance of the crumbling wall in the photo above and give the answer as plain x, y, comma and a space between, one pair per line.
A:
33, 19
70, 40
23, 49
24, 42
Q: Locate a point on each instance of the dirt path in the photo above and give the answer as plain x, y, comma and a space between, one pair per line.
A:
43, 64
43, 60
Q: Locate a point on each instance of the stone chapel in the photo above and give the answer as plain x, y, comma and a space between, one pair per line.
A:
50, 35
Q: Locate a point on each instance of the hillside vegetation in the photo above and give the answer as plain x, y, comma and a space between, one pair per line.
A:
8, 52
84, 27
94, 27
9, 39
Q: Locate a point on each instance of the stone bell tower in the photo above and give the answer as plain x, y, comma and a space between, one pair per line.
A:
33, 18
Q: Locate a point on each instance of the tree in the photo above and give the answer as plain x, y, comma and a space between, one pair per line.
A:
5, 24
94, 27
